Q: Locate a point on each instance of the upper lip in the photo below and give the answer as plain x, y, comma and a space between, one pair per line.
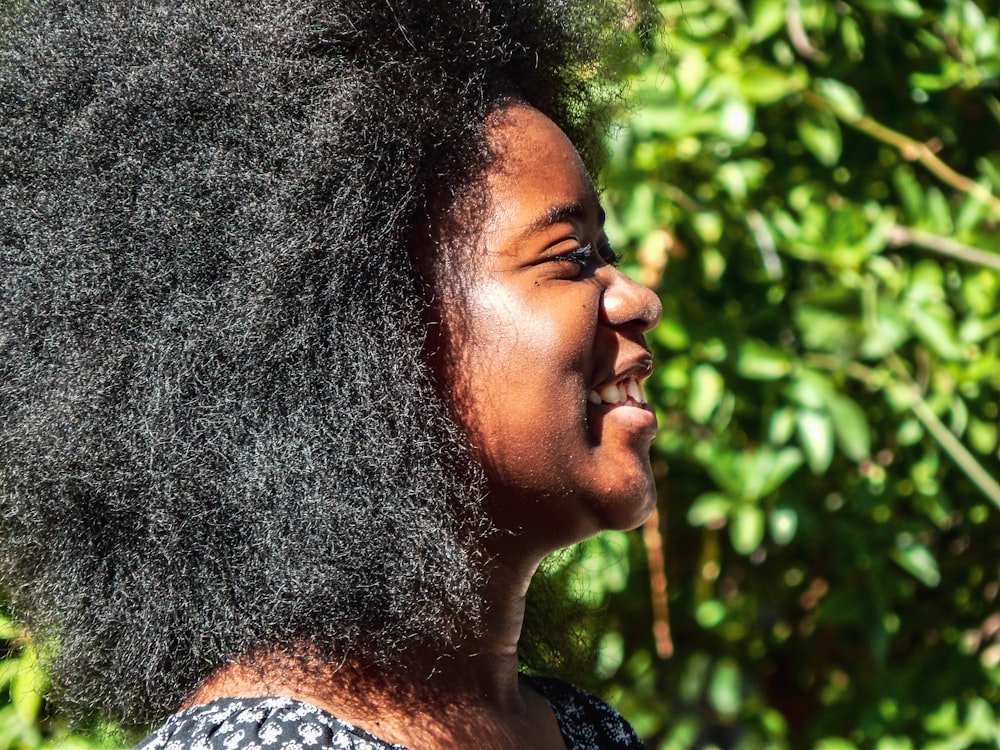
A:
640, 368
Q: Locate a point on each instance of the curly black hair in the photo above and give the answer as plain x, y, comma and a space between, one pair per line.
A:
218, 428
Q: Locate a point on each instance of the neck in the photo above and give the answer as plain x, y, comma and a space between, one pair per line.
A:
433, 698
491, 657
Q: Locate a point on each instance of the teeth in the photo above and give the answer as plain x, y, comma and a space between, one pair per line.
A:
633, 391
610, 394
619, 393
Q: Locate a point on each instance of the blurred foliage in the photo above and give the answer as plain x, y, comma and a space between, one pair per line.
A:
26, 722
812, 187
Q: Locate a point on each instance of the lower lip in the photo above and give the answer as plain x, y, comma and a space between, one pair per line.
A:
635, 417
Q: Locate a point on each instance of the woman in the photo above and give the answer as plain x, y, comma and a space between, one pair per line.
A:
311, 348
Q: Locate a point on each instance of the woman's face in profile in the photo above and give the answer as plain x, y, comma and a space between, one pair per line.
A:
548, 357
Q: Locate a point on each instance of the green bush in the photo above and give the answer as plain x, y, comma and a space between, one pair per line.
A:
812, 188
26, 719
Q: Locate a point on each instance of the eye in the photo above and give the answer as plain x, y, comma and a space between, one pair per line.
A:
584, 255
581, 256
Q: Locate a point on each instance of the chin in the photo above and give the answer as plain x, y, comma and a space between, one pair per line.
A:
579, 506
626, 507
638, 514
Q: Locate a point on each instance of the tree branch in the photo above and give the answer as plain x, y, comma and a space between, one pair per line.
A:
900, 236
911, 150
797, 32
658, 585
879, 380
945, 437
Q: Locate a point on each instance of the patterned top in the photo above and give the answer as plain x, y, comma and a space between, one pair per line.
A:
586, 723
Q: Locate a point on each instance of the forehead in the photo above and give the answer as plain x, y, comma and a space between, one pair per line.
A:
537, 176
534, 181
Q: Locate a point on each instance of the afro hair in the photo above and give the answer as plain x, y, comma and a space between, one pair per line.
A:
218, 428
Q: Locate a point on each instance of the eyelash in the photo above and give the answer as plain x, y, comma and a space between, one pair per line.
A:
583, 254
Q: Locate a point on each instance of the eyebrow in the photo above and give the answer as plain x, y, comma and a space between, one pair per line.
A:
565, 212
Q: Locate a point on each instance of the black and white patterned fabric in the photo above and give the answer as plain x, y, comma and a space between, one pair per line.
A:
586, 723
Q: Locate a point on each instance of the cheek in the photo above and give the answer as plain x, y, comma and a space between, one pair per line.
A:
513, 346
501, 363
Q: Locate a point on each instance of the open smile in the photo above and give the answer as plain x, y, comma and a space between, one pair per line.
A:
626, 400
628, 389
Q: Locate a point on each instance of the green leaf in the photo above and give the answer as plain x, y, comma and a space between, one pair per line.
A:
724, 691
926, 284
974, 330
909, 190
748, 475
902, 8
934, 326
8, 669
851, 427
760, 362
981, 721
815, 432
961, 741
770, 471
982, 436
767, 18
671, 334
783, 522
782, 426
707, 388
735, 122
746, 529
8, 630
819, 132
708, 225
691, 72
603, 563
710, 509
672, 121
918, 562
894, 743
852, 38
710, 613
835, 743
811, 390
886, 330
761, 84
610, 655
944, 720
938, 213
28, 686
844, 100
823, 329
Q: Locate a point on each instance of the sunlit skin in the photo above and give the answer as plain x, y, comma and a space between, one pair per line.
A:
543, 324
540, 324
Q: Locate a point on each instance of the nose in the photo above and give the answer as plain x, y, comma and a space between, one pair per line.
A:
626, 302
